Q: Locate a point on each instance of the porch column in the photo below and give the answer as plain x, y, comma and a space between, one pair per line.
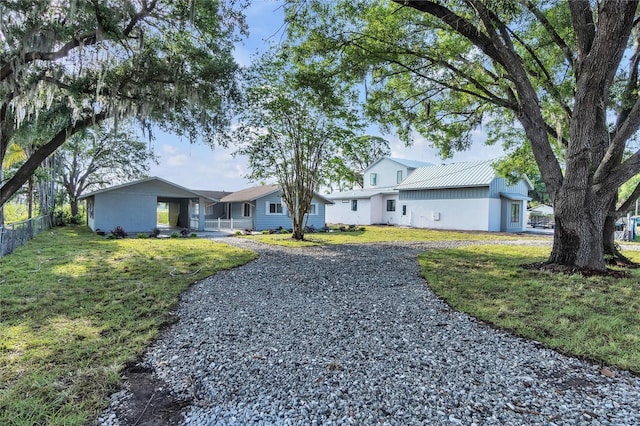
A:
201, 216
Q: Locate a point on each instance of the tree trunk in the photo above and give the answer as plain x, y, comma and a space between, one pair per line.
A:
74, 206
578, 235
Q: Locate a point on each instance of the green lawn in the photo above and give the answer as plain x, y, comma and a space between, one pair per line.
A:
75, 308
597, 318
379, 234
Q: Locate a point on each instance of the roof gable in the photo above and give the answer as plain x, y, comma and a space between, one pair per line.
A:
454, 175
188, 193
411, 164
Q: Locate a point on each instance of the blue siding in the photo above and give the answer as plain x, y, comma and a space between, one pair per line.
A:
272, 221
499, 185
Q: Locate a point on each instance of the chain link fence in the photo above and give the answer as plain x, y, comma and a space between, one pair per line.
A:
16, 234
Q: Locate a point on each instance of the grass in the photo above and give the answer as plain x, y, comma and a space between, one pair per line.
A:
382, 234
75, 308
597, 318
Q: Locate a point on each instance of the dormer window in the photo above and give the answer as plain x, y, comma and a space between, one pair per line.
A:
374, 179
399, 176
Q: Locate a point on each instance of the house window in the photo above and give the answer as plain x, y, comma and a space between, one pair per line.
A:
515, 212
391, 205
399, 176
374, 179
246, 210
313, 209
274, 208
354, 205
404, 210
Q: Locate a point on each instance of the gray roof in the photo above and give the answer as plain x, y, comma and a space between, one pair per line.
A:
361, 193
412, 164
455, 175
257, 192
250, 194
189, 193
214, 195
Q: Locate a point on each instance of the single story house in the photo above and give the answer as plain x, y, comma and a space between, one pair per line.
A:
466, 196
261, 207
134, 206
376, 202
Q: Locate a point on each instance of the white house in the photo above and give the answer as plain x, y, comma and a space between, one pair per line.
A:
377, 202
466, 196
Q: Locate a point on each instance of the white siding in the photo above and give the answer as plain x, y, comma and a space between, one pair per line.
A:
340, 212
386, 172
467, 214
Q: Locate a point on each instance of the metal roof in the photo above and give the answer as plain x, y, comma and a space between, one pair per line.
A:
362, 193
454, 175
412, 164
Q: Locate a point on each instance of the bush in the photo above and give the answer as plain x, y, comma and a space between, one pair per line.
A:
62, 216
154, 233
142, 235
284, 231
238, 232
193, 235
118, 232
184, 232
175, 235
265, 231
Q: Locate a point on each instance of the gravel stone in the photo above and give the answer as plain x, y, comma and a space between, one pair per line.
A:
351, 334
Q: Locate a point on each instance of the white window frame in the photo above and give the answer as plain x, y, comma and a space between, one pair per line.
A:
268, 208
399, 177
313, 209
373, 179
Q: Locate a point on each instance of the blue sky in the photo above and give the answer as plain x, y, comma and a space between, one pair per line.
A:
198, 166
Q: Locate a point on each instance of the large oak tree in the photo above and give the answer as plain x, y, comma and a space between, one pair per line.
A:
67, 64
560, 77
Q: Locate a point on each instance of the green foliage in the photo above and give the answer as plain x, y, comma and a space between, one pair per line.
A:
62, 216
175, 235
143, 235
167, 63
597, 318
15, 212
290, 125
76, 308
101, 156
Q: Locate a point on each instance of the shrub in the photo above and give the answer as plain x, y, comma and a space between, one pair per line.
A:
142, 235
238, 232
284, 231
193, 235
175, 235
184, 232
362, 228
118, 232
154, 233
265, 231
62, 216
111, 237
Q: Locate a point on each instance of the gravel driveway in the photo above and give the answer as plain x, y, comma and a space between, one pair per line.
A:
350, 334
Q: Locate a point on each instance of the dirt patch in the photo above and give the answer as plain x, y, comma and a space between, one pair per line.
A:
151, 404
570, 270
